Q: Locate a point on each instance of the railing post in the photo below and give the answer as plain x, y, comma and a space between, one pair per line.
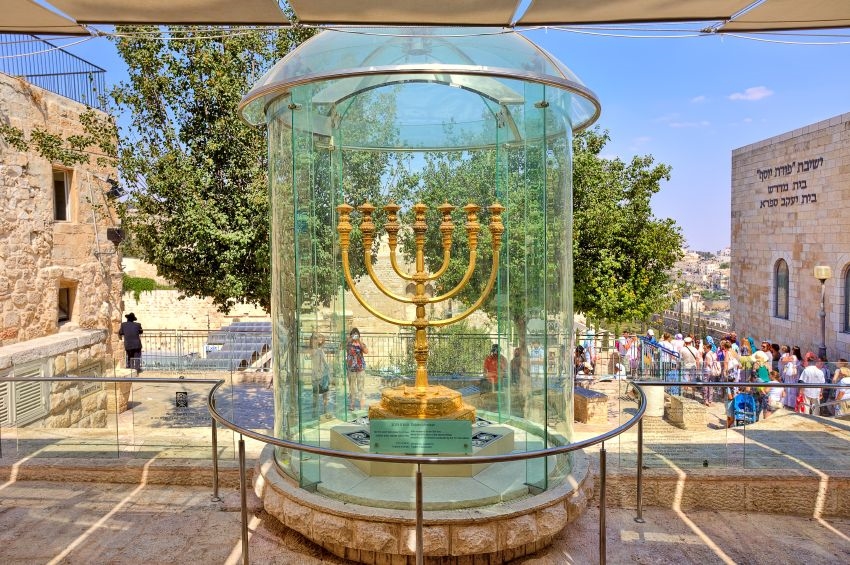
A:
243, 495
639, 518
215, 457
602, 485
420, 543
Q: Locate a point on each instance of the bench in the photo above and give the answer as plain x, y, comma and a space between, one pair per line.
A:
590, 406
685, 413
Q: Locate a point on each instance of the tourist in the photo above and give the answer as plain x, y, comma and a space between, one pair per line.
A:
690, 360
729, 393
578, 359
799, 355
842, 395
131, 332
788, 372
589, 349
678, 343
320, 374
633, 354
355, 363
775, 395
774, 360
760, 375
711, 370
733, 340
827, 394
667, 347
765, 347
495, 364
812, 374
520, 377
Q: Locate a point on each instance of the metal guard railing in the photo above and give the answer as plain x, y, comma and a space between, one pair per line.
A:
420, 460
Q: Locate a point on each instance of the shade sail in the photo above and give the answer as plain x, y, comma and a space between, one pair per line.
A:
792, 14
407, 12
25, 16
550, 12
220, 12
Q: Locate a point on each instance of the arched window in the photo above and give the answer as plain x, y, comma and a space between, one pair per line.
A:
845, 317
780, 285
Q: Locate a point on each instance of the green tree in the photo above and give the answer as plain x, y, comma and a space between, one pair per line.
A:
622, 252
198, 207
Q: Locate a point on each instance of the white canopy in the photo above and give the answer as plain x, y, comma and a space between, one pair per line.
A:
27, 16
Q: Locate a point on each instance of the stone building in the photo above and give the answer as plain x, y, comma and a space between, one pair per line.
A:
790, 203
60, 275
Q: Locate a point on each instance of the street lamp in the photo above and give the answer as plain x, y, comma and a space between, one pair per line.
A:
822, 273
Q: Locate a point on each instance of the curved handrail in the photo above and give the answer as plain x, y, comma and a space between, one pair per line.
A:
389, 458
418, 460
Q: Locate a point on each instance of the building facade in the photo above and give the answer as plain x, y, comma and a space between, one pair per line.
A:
790, 204
60, 276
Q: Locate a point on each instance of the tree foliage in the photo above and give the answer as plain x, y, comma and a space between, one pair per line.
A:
98, 139
198, 208
622, 252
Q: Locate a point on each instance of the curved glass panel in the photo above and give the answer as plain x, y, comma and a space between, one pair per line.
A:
476, 60
499, 310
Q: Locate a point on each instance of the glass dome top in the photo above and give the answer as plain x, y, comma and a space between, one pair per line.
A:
491, 63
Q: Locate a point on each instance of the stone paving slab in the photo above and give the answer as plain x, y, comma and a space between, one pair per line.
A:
87, 523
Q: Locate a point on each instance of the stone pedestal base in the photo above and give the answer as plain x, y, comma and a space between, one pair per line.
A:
493, 534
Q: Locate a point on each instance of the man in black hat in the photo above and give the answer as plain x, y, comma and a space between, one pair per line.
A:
131, 332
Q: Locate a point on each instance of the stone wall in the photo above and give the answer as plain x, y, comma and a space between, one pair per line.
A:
164, 309
39, 254
64, 404
46, 259
790, 200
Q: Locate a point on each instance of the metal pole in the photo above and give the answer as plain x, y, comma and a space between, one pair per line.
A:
243, 494
420, 543
214, 430
602, 473
639, 518
822, 315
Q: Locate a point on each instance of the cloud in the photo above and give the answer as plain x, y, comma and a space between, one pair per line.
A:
699, 124
748, 120
698, 99
666, 118
641, 140
753, 93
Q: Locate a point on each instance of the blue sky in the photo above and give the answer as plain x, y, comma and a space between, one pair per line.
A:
687, 101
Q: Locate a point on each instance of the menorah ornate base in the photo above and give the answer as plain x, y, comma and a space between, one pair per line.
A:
434, 402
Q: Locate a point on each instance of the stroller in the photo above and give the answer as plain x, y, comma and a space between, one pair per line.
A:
744, 409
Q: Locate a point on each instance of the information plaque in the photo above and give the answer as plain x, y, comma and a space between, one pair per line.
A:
421, 437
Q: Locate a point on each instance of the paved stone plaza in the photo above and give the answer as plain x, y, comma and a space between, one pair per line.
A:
147, 507
87, 523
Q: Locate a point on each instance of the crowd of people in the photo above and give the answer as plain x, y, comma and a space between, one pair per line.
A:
685, 359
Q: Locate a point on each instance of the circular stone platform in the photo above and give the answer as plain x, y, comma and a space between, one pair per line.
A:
503, 530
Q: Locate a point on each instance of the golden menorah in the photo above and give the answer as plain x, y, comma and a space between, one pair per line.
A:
422, 400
